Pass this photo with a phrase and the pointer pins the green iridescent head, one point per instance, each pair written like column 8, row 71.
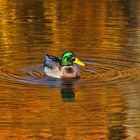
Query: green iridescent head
column 68, row 58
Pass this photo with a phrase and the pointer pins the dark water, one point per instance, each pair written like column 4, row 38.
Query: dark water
column 104, row 104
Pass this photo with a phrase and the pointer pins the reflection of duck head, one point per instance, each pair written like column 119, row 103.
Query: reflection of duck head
column 67, row 92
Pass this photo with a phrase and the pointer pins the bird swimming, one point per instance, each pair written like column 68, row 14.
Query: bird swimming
column 64, row 67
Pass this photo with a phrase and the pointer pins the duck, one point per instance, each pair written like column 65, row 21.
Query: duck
column 65, row 67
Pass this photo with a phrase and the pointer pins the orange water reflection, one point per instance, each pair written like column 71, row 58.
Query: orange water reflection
column 102, row 32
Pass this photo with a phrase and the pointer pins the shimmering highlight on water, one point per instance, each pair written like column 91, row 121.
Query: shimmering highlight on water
column 104, row 103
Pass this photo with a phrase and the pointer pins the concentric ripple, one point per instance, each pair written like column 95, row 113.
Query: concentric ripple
column 97, row 70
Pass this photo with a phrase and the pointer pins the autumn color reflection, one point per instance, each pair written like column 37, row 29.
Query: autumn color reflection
column 104, row 103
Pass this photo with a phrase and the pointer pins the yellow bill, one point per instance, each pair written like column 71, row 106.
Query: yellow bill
column 79, row 62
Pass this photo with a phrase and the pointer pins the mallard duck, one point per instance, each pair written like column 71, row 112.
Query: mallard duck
column 64, row 67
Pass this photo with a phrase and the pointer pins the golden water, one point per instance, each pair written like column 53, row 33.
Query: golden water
column 104, row 103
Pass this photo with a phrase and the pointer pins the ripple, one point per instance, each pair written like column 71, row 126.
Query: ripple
column 97, row 71
column 33, row 75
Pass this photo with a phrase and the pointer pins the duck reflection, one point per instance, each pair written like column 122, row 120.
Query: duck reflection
column 67, row 91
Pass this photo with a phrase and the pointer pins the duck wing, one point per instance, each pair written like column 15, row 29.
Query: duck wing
column 51, row 61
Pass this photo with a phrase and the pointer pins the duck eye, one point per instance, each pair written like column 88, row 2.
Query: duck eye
column 73, row 59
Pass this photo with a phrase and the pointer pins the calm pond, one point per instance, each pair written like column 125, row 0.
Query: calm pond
column 104, row 104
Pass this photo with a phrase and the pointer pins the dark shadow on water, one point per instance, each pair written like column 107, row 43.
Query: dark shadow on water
column 117, row 129
column 117, row 132
column 66, row 87
column 67, row 94
column 67, row 91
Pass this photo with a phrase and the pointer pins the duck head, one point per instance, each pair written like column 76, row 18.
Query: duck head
column 69, row 58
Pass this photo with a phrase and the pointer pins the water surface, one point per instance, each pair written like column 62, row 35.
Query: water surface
column 104, row 103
